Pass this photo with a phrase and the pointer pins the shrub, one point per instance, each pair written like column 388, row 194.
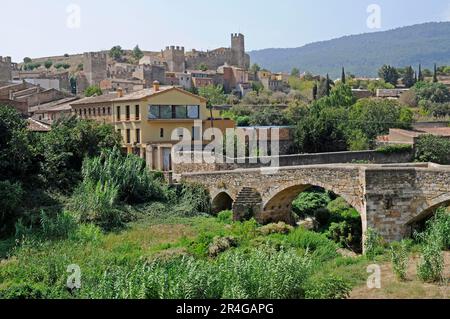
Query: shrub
column 392, row 149
column 328, row 287
column 97, row 203
column 434, row 239
column 129, row 174
column 372, row 244
column 87, row 233
column 220, row 245
column 193, row 199
column 10, row 201
column 225, row 217
column 400, row 259
column 23, row 291
column 434, row 149
column 280, row 228
column 58, row 227
column 308, row 202
column 318, row 244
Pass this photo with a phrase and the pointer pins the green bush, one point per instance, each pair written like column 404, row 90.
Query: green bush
column 392, row 149
column 58, row 227
column 400, row 260
column 433, row 240
column 328, row 287
column 192, row 200
column 308, row 202
column 373, row 244
column 97, row 203
column 434, row 149
column 225, row 217
column 23, row 291
column 129, row 174
column 11, row 195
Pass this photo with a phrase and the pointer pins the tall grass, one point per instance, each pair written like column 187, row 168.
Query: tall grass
column 135, row 183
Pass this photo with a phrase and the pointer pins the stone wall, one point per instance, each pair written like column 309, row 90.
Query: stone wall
column 389, row 198
column 296, row 160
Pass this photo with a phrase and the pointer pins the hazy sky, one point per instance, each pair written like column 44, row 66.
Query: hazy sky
column 44, row 27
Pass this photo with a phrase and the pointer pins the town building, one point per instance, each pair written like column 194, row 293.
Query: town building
column 402, row 136
column 147, row 119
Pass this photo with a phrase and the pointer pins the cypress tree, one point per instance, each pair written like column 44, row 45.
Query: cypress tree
column 435, row 79
column 328, row 85
column 343, row 80
column 420, row 74
column 315, row 89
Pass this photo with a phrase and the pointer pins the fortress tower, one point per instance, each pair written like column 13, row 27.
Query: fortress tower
column 239, row 57
column 95, row 67
column 175, row 58
column 5, row 69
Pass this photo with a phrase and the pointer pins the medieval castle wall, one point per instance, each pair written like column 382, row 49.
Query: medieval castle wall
column 95, row 67
column 6, row 68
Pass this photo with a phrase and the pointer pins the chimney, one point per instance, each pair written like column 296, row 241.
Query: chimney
column 155, row 86
column 119, row 92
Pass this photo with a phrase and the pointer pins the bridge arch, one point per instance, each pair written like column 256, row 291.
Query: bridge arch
column 425, row 210
column 222, row 201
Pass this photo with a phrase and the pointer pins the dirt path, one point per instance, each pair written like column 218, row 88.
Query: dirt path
column 391, row 288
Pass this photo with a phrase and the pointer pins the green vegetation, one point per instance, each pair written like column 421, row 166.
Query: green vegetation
column 93, row 90
column 396, row 148
column 137, row 53
column 434, row 149
column 116, row 53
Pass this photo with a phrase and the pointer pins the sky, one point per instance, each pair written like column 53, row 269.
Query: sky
column 54, row 27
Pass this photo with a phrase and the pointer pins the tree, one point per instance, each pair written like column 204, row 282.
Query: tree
column 93, row 90
column 137, row 53
column 295, row 72
column 408, row 77
column 315, row 91
column 203, row 67
column 66, row 146
column 343, row 76
column 268, row 116
column 434, row 149
column 420, row 76
column 48, row 64
column 215, row 96
column 116, row 53
column 432, row 92
column 27, row 60
column 255, row 68
column 435, row 79
column 328, row 87
column 389, row 74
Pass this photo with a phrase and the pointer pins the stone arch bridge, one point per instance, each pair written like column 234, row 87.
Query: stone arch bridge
column 389, row 198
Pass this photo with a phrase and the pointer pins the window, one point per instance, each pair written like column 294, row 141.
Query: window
column 165, row 112
column 128, row 136
column 137, row 112
column 193, row 111
column 138, row 136
column 180, row 111
column 93, row 110
column 174, row 112
column 85, row 112
column 104, row 111
column 161, row 133
column 127, row 113
column 81, row 112
column 153, row 112
column 109, row 110
column 90, row 112
column 118, row 113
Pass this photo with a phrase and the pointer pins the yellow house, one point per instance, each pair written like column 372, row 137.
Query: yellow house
column 147, row 119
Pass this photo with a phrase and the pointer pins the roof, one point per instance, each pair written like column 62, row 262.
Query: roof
column 52, row 104
column 37, row 126
column 96, row 99
column 142, row 94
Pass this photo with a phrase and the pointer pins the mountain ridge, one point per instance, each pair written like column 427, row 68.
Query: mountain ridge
column 425, row 44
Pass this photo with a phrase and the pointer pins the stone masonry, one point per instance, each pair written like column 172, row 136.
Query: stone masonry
column 389, row 198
